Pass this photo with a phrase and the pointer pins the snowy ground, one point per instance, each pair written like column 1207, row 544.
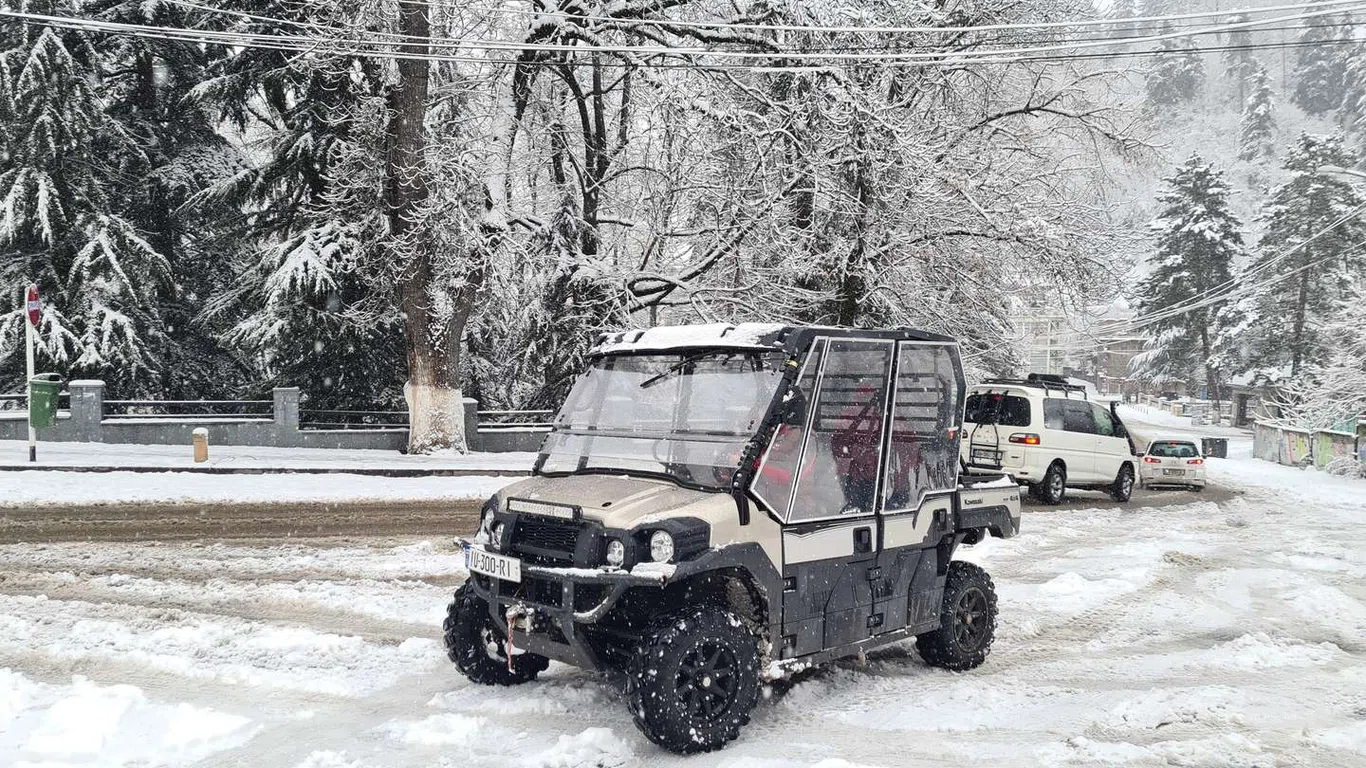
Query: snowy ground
column 1194, row 634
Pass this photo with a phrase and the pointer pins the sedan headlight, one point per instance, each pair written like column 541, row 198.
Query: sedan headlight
column 616, row 553
column 661, row 547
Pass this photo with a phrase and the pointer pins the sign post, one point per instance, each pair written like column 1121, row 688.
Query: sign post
column 34, row 308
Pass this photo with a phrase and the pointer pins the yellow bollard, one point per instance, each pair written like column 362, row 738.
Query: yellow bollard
column 201, row 445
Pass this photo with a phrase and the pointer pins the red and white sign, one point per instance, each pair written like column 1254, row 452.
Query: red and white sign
column 34, row 305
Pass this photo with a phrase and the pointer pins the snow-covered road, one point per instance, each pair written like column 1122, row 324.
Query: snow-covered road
column 1203, row 634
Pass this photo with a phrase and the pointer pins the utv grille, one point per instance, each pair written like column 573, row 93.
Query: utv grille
column 554, row 539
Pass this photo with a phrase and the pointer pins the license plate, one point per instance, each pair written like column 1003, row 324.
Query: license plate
column 982, row 454
column 490, row 564
column 1174, row 472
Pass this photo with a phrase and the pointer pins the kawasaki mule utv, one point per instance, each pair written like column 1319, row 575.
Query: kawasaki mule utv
column 718, row 506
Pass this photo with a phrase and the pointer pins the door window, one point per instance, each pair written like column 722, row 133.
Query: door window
column 779, row 469
column 843, row 447
column 1105, row 424
column 1077, row 417
column 925, row 419
column 1053, row 413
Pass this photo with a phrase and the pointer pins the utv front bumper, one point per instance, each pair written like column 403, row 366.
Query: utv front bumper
column 552, row 610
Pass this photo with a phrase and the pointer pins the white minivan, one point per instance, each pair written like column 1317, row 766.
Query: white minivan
column 1047, row 434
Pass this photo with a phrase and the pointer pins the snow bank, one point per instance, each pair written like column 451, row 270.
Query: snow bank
column 112, row 725
column 598, row 747
column 52, row 488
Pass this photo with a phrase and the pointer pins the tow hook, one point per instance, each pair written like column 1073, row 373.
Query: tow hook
column 519, row 617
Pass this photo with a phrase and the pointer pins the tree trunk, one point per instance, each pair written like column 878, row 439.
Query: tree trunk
column 436, row 415
column 1297, row 334
column 1211, row 375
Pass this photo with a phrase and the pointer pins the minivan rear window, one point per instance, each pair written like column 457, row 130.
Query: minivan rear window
column 1002, row 409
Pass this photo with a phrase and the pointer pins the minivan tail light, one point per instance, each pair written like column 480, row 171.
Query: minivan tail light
column 1024, row 438
column 1195, row 461
column 1151, row 460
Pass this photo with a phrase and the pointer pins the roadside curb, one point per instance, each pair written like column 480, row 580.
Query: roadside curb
column 366, row 471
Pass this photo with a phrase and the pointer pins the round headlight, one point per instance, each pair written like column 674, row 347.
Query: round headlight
column 661, row 547
column 616, row 553
column 487, row 522
column 498, row 529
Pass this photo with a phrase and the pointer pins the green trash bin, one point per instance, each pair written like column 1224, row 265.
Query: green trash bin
column 43, row 391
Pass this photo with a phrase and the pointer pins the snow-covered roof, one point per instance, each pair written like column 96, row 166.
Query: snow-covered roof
column 666, row 337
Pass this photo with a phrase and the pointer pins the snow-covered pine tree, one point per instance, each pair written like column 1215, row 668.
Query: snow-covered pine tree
column 1240, row 65
column 1257, row 131
column 1335, row 393
column 1353, row 110
column 61, row 212
column 1310, row 254
column 145, row 87
column 1320, row 68
column 300, row 308
column 1177, row 73
column 1121, row 11
column 1198, row 242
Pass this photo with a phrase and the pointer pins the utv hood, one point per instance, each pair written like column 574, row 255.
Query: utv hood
column 616, row 501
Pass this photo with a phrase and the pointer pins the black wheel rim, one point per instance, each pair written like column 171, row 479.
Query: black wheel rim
column 971, row 619
column 707, row 681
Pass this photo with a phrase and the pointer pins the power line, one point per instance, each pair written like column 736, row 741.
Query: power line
column 1111, row 39
column 335, row 47
column 1002, row 55
column 920, row 29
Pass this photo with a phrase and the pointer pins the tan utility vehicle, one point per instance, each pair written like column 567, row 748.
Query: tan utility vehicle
column 718, row 506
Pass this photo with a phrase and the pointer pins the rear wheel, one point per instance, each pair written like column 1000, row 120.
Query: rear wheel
column 1123, row 487
column 693, row 680
column 1052, row 489
column 479, row 648
column 967, row 621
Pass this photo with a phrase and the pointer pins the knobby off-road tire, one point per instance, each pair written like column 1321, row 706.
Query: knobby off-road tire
column 967, row 621
column 1052, row 489
column 693, row 680
column 479, row 648
column 1123, row 486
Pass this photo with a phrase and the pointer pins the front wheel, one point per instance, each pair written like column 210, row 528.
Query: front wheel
column 693, row 680
column 1123, row 486
column 967, row 621
column 479, row 648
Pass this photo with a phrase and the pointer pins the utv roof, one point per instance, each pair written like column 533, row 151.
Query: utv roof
column 743, row 336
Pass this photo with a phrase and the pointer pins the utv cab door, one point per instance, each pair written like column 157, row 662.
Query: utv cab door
column 821, row 477
column 919, row 480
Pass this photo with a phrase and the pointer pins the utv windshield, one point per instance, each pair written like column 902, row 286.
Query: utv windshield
column 686, row 415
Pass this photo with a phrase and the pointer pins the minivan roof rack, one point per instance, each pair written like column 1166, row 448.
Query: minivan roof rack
column 1044, row 381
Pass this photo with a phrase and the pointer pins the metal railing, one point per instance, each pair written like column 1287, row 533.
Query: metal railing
column 262, row 410
column 505, row 420
column 19, row 402
column 324, row 419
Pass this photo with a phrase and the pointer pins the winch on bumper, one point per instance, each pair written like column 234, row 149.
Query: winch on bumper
column 559, row 601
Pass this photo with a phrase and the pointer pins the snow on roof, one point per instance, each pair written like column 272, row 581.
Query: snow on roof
column 742, row 336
